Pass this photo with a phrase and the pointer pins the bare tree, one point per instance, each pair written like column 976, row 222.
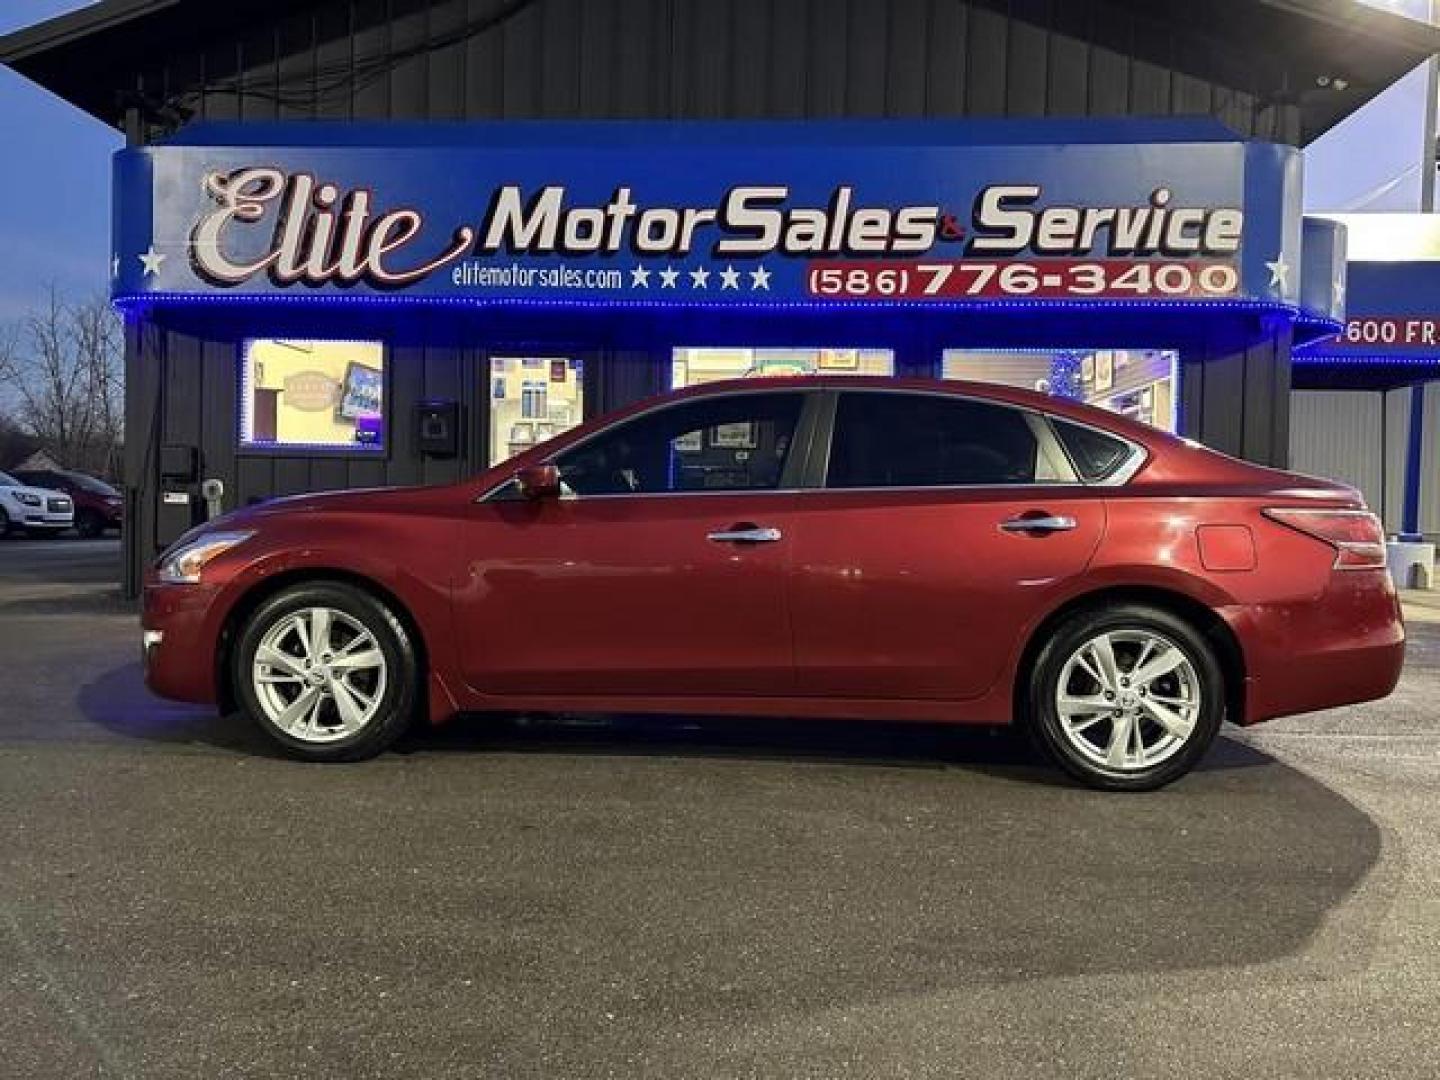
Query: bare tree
column 62, row 366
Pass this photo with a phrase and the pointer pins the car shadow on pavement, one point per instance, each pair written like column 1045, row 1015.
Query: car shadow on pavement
column 119, row 702
column 742, row 866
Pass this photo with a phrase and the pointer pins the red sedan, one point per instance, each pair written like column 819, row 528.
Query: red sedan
column 802, row 547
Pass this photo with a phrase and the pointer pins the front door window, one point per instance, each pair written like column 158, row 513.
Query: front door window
column 738, row 442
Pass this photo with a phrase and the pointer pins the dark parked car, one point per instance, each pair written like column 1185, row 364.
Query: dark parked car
column 802, row 547
column 98, row 506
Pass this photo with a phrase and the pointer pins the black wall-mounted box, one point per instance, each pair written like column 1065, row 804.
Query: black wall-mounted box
column 437, row 428
column 179, row 463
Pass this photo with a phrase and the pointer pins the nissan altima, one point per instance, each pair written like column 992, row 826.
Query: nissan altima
column 820, row 547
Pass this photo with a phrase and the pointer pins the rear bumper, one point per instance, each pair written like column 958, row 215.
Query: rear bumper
column 178, row 643
column 1344, row 646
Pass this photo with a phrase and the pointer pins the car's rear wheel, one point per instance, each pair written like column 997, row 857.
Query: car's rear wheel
column 1126, row 698
column 328, row 671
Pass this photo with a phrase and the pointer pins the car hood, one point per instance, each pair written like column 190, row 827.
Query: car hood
column 355, row 500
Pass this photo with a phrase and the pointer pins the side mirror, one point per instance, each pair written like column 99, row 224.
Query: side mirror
column 538, row 482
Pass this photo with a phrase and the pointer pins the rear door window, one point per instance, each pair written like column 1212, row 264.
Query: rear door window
column 892, row 439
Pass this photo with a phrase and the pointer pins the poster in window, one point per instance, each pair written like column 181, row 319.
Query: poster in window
column 1104, row 370
column 362, row 392
column 558, row 370
column 839, row 360
column 733, row 436
column 689, row 443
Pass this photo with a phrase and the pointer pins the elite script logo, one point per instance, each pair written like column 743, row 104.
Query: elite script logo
column 320, row 234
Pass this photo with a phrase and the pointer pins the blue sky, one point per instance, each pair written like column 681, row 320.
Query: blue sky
column 54, row 187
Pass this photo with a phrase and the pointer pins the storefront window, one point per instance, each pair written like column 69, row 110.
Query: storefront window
column 532, row 399
column 1143, row 384
column 313, row 394
column 693, row 367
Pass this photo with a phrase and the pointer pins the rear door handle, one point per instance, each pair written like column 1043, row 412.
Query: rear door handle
column 1041, row 523
column 745, row 534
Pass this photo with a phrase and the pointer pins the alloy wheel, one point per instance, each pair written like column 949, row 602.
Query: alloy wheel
column 1128, row 700
column 319, row 674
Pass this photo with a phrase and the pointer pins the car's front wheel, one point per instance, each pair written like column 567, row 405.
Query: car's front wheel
column 89, row 524
column 328, row 671
column 1126, row 698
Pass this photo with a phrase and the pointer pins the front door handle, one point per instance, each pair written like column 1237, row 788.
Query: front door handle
column 745, row 533
column 1041, row 523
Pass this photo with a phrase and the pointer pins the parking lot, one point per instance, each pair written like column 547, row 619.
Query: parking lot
column 685, row 899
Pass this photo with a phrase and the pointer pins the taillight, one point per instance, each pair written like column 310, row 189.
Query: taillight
column 1356, row 535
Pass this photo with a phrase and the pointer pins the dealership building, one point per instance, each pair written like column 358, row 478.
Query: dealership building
column 366, row 242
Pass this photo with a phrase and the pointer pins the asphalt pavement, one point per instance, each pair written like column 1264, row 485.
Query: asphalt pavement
column 578, row 897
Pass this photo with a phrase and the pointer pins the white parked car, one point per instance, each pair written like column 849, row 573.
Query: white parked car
column 39, row 511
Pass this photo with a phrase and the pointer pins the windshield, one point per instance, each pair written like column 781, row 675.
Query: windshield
column 91, row 483
column 6, row 480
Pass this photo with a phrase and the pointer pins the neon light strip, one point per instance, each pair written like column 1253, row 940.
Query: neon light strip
column 1331, row 359
column 159, row 299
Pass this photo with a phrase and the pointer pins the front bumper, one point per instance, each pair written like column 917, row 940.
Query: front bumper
column 43, row 519
column 179, row 641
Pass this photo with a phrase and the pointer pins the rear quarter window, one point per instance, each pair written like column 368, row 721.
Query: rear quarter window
column 1096, row 455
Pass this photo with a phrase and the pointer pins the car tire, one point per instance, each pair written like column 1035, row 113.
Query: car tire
column 5, row 524
column 1087, row 711
column 89, row 524
column 358, row 702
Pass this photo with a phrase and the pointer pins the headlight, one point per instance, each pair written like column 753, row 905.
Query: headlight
column 29, row 498
column 181, row 565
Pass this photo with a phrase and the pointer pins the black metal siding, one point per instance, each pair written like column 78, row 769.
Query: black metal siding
column 714, row 58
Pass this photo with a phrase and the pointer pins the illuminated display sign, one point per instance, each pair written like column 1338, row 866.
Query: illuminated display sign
column 709, row 214
column 1393, row 315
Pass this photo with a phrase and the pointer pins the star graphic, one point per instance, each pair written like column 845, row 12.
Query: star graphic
column 1279, row 274
column 640, row 278
column 760, row 278
column 729, row 278
column 667, row 277
column 1339, row 286
column 699, row 278
column 115, row 267
column 151, row 261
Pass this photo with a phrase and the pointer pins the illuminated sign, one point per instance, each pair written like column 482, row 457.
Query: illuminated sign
column 764, row 219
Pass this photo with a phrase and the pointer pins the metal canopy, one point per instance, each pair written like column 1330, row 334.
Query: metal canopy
column 1325, row 58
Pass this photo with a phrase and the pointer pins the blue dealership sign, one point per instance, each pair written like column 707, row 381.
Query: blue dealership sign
column 717, row 214
column 1393, row 315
